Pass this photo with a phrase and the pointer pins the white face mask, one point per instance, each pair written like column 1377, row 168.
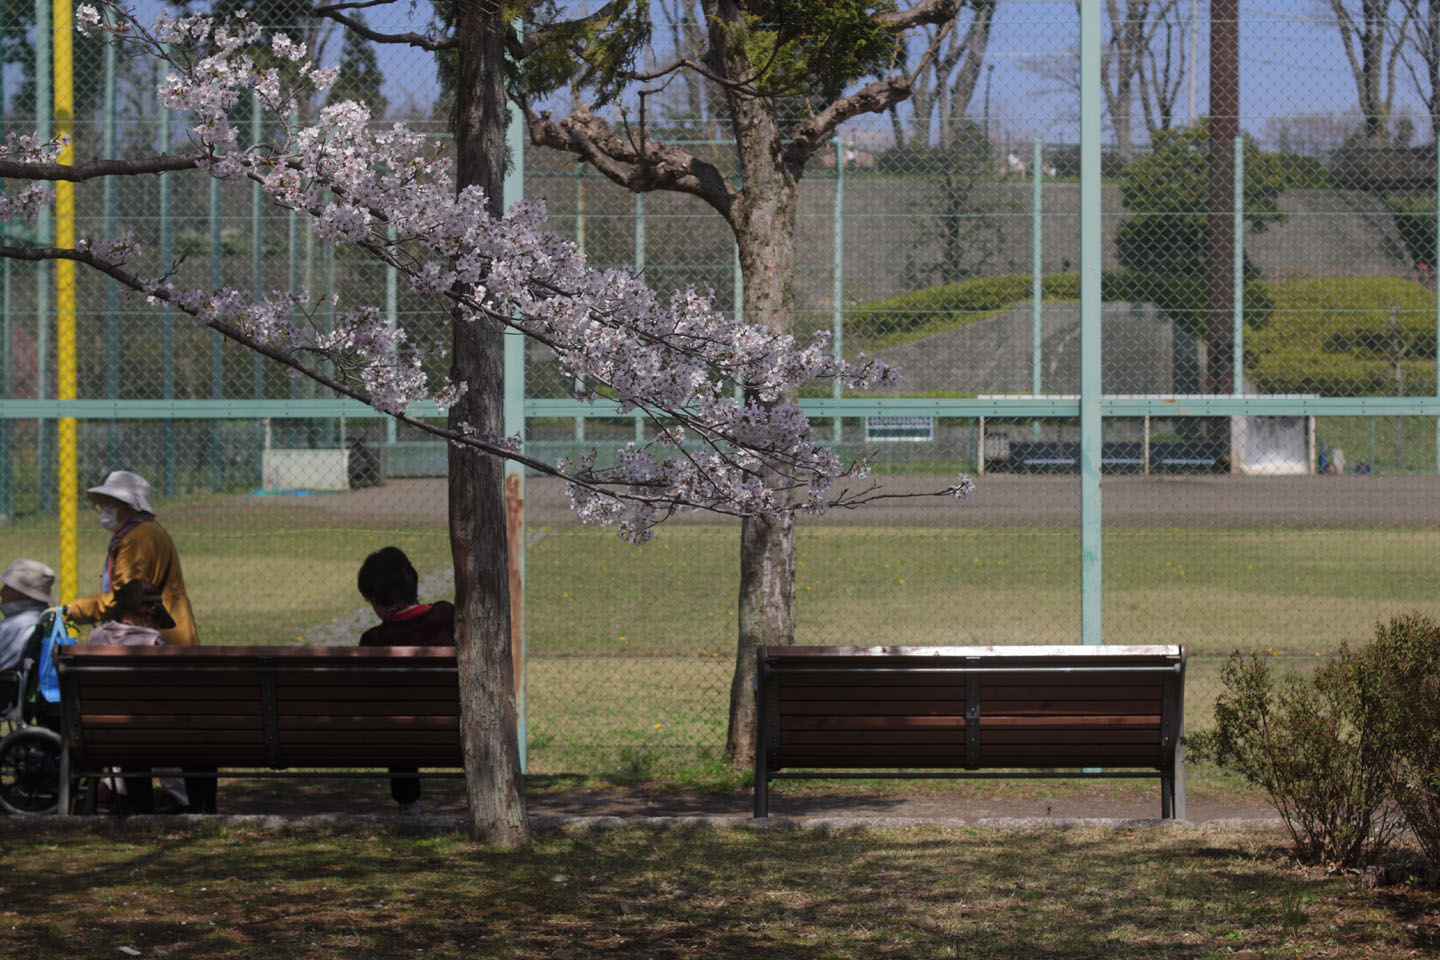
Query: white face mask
column 110, row 518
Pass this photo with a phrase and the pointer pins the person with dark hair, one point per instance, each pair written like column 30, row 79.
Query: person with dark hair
column 389, row 583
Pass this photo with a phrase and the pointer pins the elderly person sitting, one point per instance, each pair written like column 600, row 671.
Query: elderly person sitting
column 140, row 549
column 24, row 596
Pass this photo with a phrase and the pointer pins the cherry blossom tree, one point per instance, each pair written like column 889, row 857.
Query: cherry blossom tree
column 790, row 72
column 399, row 199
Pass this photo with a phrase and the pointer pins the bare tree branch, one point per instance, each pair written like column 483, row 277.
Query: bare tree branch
column 332, row 12
column 94, row 169
column 919, row 14
column 649, row 165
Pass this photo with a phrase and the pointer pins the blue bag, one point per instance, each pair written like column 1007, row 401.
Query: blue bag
column 49, row 678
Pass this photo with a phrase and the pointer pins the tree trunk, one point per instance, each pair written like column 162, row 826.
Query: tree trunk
column 494, row 787
column 764, row 223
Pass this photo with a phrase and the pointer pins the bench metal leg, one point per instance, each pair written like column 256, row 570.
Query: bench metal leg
column 63, row 807
column 1167, row 796
column 762, row 779
column 1177, row 778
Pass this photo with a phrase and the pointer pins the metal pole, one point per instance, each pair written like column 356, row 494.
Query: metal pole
column 1224, row 129
column 167, row 315
column 1237, row 295
column 112, row 286
column 513, row 414
column 837, row 285
column 44, row 115
column 217, row 345
column 257, row 285
column 1091, row 600
column 1036, row 278
column 639, row 271
column 580, row 244
column 68, row 462
column 392, row 318
column 7, row 498
column 1435, row 273
column 257, row 242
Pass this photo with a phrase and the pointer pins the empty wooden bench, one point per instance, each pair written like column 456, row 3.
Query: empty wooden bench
column 953, row 712
column 260, row 709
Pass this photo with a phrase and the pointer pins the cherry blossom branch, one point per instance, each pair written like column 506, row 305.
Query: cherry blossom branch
column 672, row 361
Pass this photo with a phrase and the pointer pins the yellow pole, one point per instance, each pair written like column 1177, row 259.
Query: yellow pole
column 68, row 472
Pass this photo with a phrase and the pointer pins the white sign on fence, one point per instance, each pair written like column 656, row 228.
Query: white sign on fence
column 911, row 429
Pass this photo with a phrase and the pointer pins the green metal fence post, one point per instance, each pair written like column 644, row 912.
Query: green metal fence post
column 7, row 495
column 167, row 315
column 513, row 413
column 1036, row 277
column 217, row 351
column 257, row 283
column 1238, row 308
column 639, row 271
column 837, row 279
column 44, row 227
column 112, row 286
column 292, row 236
column 392, row 319
column 1435, row 273
column 1091, row 426
column 580, row 244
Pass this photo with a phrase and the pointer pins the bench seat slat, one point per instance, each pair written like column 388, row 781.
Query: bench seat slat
column 998, row 739
column 222, row 735
column 840, row 689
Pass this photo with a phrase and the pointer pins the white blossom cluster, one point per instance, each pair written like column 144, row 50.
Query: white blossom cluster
column 677, row 360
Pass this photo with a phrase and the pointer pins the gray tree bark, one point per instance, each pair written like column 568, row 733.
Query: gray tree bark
column 763, row 220
column 493, row 783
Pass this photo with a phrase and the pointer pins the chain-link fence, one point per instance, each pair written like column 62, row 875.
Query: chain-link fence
column 1268, row 346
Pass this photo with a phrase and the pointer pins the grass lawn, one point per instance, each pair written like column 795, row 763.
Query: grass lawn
column 907, row 891
column 631, row 649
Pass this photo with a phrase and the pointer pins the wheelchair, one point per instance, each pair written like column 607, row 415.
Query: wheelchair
column 30, row 750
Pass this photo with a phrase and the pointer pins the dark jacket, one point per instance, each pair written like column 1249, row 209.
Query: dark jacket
column 435, row 628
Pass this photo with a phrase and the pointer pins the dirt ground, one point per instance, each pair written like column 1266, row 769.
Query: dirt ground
column 969, row 801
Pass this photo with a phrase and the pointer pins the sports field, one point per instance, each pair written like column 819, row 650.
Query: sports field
column 630, row 649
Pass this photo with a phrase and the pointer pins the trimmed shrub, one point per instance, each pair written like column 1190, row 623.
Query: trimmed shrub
column 1315, row 746
column 1404, row 664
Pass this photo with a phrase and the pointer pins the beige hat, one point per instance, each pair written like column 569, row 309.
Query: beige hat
column 129, row 488
column 30, row 577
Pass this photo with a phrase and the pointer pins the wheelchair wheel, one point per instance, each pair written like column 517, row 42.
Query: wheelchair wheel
column 30, row 771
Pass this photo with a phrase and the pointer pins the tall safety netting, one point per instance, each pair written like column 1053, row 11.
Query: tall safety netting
column 1267, row 331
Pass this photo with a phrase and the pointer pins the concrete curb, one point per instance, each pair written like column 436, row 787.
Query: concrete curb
column 546, row 823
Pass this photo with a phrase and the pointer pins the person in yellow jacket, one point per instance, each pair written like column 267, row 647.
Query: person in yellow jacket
column 140, row 549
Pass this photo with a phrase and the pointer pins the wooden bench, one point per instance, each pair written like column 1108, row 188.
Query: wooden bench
column 264, row 708
column 954, row 711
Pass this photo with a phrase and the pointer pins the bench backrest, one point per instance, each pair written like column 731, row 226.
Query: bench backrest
column 970, row 707
column 261, row 706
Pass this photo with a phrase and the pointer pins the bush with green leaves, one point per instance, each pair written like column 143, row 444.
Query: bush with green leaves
column 1343, row 337
column 1315, row 745
column 1168, row 193
column 1404, row 665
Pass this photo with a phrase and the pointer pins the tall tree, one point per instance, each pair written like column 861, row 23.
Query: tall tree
column 1421, row 54
column 360, row 78
column 941, row 96
column 1372, row 36
column 785, row 67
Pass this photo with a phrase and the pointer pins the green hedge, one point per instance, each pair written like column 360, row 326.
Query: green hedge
column 1332, row 336
column 1327, row 335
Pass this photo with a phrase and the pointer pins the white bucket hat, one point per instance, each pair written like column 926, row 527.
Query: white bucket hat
column 30, row 577
column 129, row 488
